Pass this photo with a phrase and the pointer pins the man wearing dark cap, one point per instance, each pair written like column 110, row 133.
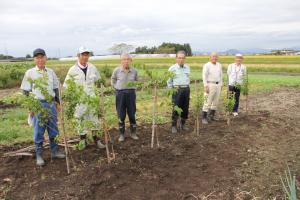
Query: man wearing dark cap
column 40, row 71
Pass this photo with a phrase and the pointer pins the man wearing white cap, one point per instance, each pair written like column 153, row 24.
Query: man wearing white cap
column 236, row 73
column 212, row 80
column 86, row 75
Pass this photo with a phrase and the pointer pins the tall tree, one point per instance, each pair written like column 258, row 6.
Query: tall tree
column 118, row 49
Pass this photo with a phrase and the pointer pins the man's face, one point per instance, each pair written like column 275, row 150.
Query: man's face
column 238, row 60
column 40, row 60
column 214, row 58
column 83, row 58
column 126, row 62
column 180, row 59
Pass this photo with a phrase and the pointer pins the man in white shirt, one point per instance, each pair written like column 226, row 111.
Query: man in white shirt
column 212, row 80
column 236, row 73
column 41, row 72
column 85, row 74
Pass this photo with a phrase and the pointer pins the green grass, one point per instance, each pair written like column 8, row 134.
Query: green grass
column 14, row 127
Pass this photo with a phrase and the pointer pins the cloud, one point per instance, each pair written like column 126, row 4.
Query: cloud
column 62, row 26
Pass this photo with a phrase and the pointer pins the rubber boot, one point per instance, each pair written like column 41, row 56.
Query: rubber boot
column 204, row 117
column 183, row 126
column 133, row 134
column 38, row 152
column 54, row 150
column 122, row 133
column 98, row 142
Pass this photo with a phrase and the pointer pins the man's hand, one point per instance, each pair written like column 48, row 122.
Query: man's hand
column 206, row 89
column 58, row 108
column 31, row 114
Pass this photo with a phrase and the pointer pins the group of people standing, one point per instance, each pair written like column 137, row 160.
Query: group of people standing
column 212, row 76
column 86, row 75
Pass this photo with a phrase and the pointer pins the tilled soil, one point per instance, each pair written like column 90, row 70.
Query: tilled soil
column 240, row 161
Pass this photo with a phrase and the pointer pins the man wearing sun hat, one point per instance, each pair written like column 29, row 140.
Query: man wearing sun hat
column 236, row 73
column 86, row 75
column 39, row 126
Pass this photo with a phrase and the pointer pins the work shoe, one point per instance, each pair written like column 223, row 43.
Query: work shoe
column 100, row 145
column 235, row 114
column 121, row 138
column 174, row 130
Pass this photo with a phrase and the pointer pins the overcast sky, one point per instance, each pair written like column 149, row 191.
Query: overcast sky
column 61, row 26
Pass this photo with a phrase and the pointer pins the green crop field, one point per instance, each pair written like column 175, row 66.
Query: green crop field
column 265, row 74
column 12, row 73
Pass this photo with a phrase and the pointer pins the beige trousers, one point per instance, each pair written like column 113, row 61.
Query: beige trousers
column 212, row 99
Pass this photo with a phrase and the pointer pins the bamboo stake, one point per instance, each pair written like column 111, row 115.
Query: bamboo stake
column 154, row 113
column 228, row 96
column 107, row 137
column 247, row 94
column 197, row 125
column 62, row 121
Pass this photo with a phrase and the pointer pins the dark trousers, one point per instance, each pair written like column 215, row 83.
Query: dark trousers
column 126, row 103
column 236, row 93
column 181, row 98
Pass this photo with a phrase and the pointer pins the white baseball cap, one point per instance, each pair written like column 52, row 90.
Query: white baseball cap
column 238, row 55
column 83, row 50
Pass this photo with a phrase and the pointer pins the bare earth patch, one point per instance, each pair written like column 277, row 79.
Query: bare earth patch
column 242, row 161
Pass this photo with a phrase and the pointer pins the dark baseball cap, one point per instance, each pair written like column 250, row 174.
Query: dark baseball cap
column 39, row 52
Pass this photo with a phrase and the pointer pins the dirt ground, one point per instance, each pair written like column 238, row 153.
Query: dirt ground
column 242, row 161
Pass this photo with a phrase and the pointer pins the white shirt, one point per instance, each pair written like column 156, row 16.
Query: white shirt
column 212, row 73
column 35, row 73
column 87, row 81
column 182, row 75
column 236, row 73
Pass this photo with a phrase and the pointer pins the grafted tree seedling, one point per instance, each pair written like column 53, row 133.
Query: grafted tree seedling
column 110, row 153
column 94, row 105
column 228, row 104
column 155, row 81
column 197, row 100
